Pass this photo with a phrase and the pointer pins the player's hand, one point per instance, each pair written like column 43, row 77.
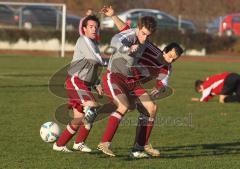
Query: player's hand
column 195, row 99
column 99, row 89
column 129, row 50
column 133, row 48
column 155, row 93
column 107, row 11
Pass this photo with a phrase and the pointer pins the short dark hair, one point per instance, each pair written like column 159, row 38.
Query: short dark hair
column 148, row 22
column 198, row 83
column 174, row 45
column 90, row 17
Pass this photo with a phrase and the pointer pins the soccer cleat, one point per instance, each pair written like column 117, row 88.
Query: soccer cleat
column 61, row 148
column 104, row 147
column 81, row 147
column 138, row 154
column 151, row 151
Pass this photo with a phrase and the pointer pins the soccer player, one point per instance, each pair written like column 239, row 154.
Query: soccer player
column 120, row 80
column 226, row 85
column 157, row 65
column 82, row 77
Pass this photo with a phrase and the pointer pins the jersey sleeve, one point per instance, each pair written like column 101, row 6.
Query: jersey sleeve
column 163, row 77
column 123, row 40
column 206, row 95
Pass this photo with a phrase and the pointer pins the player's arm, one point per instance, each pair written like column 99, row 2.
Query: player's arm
column 195, row 99
column 119, row 23
column 124, row 42
column 98, row 87
column 163, row 77
column 206, row 99
column 222, row 98
column 206, row 95
column 109, row 11
column 202, row 99
column 161, row 82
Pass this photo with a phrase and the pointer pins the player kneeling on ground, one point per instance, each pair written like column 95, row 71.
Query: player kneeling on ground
column 226, row 85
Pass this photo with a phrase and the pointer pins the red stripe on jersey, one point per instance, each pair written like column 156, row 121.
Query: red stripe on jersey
column 213, row 85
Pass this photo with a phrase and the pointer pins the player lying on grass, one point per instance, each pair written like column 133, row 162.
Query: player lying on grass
column 82, row 77
column 226, row 85
column 156, row 64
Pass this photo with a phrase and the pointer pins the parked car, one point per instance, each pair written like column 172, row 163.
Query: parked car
column 228, row 25
column 213, row 27
column 164, row 20
column 45, row 16
column 7, row 16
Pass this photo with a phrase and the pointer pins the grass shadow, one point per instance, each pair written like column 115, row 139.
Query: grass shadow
column 200, row 150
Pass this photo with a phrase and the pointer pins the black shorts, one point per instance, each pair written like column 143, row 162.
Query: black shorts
column 231, row 84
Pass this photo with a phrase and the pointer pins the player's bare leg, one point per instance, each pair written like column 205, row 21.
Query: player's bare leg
column 121, row 101
column 221, row 98
column 85, row 127
column 69, row 132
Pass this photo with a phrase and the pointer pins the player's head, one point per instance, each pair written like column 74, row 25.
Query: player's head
column 90, row 26
column 199, row 86
column 146, row 26
column 172, row 52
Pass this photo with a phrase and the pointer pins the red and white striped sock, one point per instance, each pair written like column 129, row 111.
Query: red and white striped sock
column 82, row 134
column 66, row 135
column 113, row 123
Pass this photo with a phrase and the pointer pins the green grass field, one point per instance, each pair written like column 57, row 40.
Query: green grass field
column 188, row 134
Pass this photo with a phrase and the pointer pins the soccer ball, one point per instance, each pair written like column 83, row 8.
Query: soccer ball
column 50, row 132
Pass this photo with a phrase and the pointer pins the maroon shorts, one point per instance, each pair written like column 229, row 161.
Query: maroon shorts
column 78, row 92
column 115, row 84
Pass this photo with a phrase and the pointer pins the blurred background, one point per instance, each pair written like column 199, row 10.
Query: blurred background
column 203, row 27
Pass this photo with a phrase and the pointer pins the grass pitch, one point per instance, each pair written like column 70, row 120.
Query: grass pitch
column 188, row 134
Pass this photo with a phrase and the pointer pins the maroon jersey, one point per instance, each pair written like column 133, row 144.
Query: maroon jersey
column 153, row 66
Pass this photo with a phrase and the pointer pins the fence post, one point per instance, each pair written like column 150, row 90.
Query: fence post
column 20, row 22
column 179, row 22
column 220, row 28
